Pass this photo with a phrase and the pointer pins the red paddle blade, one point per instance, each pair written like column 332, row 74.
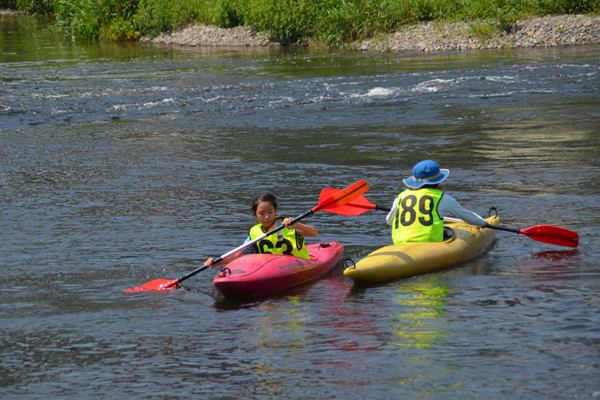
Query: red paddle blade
column 342, row 197
column 553, row 235
column 356, row 207
column 157, row 284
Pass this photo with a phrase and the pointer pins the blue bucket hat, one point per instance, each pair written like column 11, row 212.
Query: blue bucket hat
column 426, row 172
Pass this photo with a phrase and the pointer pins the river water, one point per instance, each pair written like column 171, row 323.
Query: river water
column 125, row 163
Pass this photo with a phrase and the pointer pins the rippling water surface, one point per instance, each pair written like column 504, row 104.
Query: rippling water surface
column 124, row 163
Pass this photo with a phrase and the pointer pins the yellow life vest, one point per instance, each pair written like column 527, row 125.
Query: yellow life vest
column 286, row 241
column 418, row 219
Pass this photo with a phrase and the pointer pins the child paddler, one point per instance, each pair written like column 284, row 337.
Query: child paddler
column 418, row 213
column 289, row 240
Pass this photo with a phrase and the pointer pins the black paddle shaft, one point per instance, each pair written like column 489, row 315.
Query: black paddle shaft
column 504, row 228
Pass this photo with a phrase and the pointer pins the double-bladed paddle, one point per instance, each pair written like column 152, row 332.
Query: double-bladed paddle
column 337, row 199
column 542, row 233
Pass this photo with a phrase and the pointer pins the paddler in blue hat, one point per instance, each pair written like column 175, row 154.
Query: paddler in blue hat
column 418, row 212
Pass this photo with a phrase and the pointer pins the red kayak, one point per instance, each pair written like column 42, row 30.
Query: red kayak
column 255, row 274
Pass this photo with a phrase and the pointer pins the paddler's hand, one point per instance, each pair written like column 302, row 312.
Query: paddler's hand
column 286, row 222
column 209, row 263
column 305, row 230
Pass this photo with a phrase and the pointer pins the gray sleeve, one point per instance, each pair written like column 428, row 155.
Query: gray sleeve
column 449, row 207
column 390, row 217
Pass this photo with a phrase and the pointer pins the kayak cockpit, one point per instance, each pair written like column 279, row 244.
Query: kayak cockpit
column 449, row 234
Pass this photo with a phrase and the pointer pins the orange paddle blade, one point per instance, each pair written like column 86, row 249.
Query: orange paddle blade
column 552, row 235
column 157, row 284
column 342, row 197
column 357, row 206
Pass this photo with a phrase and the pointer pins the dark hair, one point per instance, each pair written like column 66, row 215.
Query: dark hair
column 268, row 197
column 436, row 186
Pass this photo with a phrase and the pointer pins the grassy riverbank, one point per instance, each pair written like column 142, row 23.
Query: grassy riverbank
column 333, row 22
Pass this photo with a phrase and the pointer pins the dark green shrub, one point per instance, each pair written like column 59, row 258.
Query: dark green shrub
column 229, row 13
column 35, row 7
column 8, row 4
column 288, row 21
column 79, row 18
column 156, row 16
column 566, row 6
column 108, row 19
column 351, row 20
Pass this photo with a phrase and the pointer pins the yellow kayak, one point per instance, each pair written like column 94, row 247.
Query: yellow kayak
column 399, row 261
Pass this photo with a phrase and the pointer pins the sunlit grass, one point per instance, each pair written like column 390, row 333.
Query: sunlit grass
column 290, row 21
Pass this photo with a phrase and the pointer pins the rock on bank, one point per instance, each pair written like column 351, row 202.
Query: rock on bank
column 209, row 35
column 550, row 31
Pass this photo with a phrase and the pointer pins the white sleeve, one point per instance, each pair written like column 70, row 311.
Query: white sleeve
column 249, row 249
column 393, row 212
column 449, row 207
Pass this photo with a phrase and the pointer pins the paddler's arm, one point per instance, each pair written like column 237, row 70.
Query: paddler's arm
column 449, row 207
column 303, row 229
column 227, row 260
column 243, row 252
column 393, row 212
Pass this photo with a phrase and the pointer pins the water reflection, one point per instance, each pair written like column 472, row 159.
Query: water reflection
column 351, row 324
column 552, row 261
column 553, row 266
column 418, row 323
column 264, row 301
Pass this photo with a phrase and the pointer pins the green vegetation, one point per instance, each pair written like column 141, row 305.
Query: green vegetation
column 7, row 4
column 33, row 7
column 289, row 21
